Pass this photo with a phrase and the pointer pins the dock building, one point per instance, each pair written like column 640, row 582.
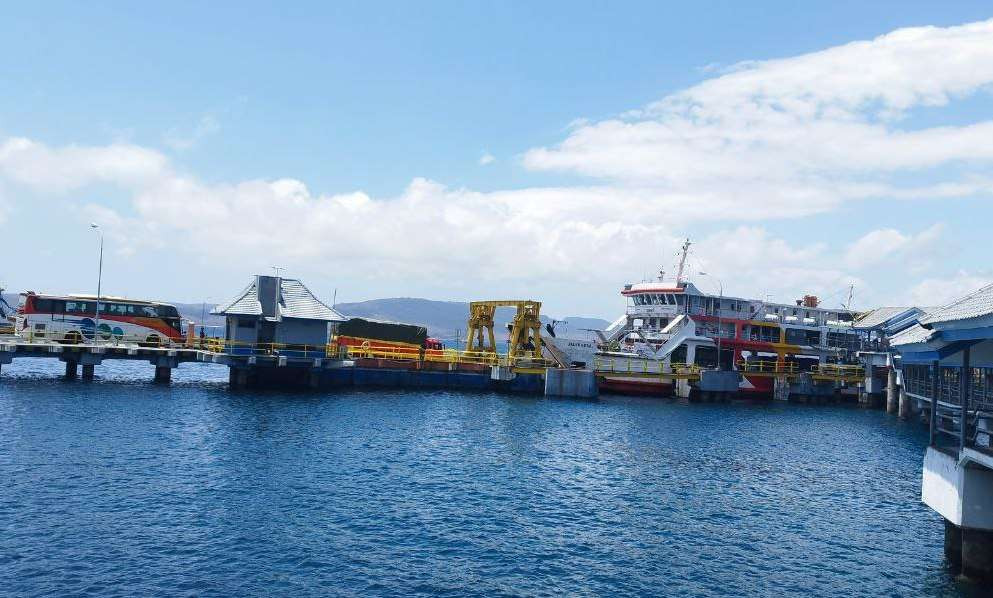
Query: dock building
column 275, row 329
column 946, row 365
column 875, row 329
column 278, row 311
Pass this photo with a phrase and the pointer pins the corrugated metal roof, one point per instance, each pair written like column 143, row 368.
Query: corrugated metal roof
column 973, row 305
column 913, row 335
column 295, row 301
column 878, row 317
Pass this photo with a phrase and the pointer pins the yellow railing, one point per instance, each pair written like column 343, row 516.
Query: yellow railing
column 611, row 365
column 332, row 349
column 837, row 370
column 767, row 367
column 445, row 356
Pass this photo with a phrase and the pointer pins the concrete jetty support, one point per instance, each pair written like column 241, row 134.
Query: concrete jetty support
column 892, row 393
column 906, row 407
column 72, row 369
column 88, row 371
column 959, row 490
column 570, row 383
column 163, row 374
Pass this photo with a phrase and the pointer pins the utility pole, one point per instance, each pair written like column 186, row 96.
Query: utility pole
column 96, row 325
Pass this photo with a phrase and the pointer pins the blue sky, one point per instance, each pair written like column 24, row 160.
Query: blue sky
column 119, row 110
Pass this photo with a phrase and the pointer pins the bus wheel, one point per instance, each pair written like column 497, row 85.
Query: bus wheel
column 153, row 340
column 73, row 338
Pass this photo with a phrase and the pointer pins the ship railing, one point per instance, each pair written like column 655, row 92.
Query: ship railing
column 642, row 366
column 838, row 370
column 767, row 367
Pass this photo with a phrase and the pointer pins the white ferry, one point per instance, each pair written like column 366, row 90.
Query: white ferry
column 670, row 326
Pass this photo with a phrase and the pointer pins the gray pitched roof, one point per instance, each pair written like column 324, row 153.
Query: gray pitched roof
column 911, row 336
column 878, row 317
column 295, row 301
column 973, row 305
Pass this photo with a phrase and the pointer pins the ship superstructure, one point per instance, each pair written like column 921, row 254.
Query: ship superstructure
column 677, row 325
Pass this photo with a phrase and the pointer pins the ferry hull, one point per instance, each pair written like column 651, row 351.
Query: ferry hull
column 635, row 386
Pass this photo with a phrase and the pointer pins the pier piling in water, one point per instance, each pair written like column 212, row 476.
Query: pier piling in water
column 892, row 393
column 906, row 405
column 71, row 369
column 953, row 544
column 88, row 371
column 163, row 374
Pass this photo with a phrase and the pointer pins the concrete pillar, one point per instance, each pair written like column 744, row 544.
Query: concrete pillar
column 163, row 374
column 892, row 393
column 570, row 383
column 906, row 405
column 88, row 372
column 238, row 377
column 977, row 553
column 953, row 544
column 71, row 369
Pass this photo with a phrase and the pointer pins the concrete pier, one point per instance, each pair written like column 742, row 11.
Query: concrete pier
column 906, row 408
column 977, row 554
column 163, row 374
column 88, row 371
column 953, row 544
column 570, row 383
column 959, row 491
column 892, row 393
column 72, row 369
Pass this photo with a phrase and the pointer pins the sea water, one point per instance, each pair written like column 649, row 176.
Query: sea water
column 120, row 487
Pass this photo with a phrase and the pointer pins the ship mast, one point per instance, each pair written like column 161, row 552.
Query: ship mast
column 682, row 262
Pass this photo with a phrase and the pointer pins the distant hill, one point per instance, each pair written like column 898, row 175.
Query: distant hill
column 443, row 319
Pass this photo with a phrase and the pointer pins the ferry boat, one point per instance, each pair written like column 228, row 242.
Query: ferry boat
column 673, row 326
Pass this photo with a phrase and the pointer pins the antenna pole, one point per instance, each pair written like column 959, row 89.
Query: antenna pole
column 682, row 261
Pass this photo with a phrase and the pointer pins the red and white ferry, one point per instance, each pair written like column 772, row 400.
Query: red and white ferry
column 670, row 326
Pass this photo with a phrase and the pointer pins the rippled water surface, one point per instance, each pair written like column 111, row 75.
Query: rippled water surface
column 119, row 487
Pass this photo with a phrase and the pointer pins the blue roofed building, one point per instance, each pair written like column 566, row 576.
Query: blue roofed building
column 946, row 365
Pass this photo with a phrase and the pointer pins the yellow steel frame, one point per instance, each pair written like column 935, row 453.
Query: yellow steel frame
column 526, row 324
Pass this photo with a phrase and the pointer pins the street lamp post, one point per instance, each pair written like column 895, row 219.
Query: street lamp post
column 96, row 325
column 720, row 305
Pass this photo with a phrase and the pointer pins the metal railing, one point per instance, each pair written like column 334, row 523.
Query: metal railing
column 649, row 367
column 952, row 423
column 767, row 367
column 451, row 356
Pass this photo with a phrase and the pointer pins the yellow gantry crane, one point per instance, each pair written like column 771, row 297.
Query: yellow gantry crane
column 525, row 332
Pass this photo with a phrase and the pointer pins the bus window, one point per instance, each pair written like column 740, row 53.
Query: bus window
column 79, row 307
column 149, row 311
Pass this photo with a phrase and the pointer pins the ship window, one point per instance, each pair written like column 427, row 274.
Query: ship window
column 680, row 299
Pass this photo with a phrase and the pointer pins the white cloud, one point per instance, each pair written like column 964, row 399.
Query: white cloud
column 486, row 158
column 71, row 167
column 884, row 244
column 766, row 140
column 828, row 122
column 181, row 140
column 936, row 292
